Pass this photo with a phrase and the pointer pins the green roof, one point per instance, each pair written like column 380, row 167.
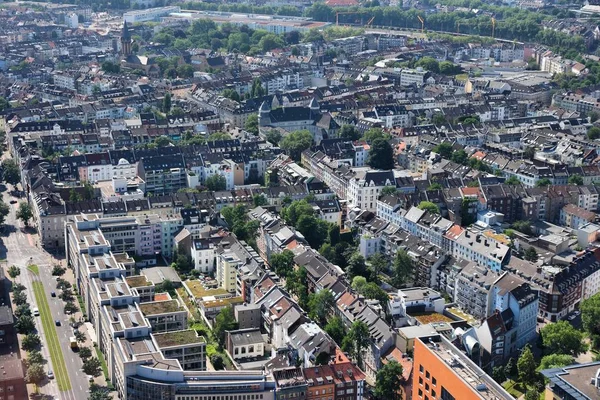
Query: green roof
column 178, row 338
column 137, row 281
column 198, row 290
column 160, row 307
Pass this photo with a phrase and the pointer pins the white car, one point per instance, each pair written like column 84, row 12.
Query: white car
column 571, row 317
column 36, row 312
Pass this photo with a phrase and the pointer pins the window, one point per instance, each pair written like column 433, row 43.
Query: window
column 421, row 381
column 421, row 369
column 433, row 381
column 420, row 393
column 427, row 375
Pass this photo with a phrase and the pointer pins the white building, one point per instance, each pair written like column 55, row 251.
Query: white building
column 416, row 300
column 203, row 255
column 365, row 187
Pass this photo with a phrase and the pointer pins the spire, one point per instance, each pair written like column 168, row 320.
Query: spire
column 125, row 34
column 264, row 107
column 314, row 104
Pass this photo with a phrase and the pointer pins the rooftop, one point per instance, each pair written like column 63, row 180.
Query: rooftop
column 178, row 338
column 160, row 307
column 137, row 281
column 575, row 380
column 198, row 290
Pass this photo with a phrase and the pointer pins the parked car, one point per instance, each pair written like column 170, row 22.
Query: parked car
column 57, row 322
column 53, row 294
column 50, row 375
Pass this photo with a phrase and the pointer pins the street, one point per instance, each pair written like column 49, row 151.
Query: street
column 18, row 246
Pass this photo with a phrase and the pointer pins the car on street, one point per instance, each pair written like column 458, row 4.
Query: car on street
column 36, row 312
column 57, row 322
column 50, row 375
column 53, row 294
column 13, row 202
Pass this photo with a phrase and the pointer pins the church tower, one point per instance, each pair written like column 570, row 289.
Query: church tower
column 125, row 40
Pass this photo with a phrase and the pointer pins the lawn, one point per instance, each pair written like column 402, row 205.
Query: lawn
column 104, row 367
column 34, row 268
column 56, row 355
column 514, row 388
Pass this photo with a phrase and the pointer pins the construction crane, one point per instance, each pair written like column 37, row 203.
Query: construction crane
column 337, row 15
column 370, row 22
column 422, row 23
column 493, row 26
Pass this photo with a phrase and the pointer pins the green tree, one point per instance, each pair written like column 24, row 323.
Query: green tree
column 529, row 152
column 593, row 116
column 295, row 143
column 403, row 269
column 11, row 172
column 252, row 124
column 231, row 94
column 273, row 137
column 24, row 213
column 389, row 191
column 575, row 179
column 185, row 71
column 459, row 157
column 523, row 227
column 336, row 329
column 35, row 373
column 563, row 338
column 543, row 182
column 449, row 68
column 31, row 341
column 313, row 229
column 85, row 353
column 556, row 361
column 498, row 374
column 428, row 63
column 359, row 335
column 216, row 183
column 381, row 155
column 320, row 305
column 14, row 271
column 224, row 321
column 283, row 263
column 98, row 392
column 375, row 133
column 297, row 209
column 356, row 266
column 444, row 150
column 79, row 336
column 22, row 310
column 435, row 186
column 19, row 298
column 590, row 315
column 110, row 67
column 57, row 270
column 4, row 210
column 349, row 132
column 389, row 379
column 531, row 254
column 593, row 133
column 532, row 394
column 513, row 181
column 70, row 307
column 429, row 206
column 526, row 366
column 218, row 136
column 377, row 264
column 217, row 361
column 438, row 119
column 92, row 366
column 35, row 357
column 166, row 105
column 259, row 200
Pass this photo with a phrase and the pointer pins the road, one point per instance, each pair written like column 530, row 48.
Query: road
column 19, row 248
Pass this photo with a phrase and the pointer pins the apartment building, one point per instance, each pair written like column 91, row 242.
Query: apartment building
column 365, row 187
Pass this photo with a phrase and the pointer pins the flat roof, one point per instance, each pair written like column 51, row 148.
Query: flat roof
column 178, row 338
column 198, row 290
column 160, row 307
column 138, row 281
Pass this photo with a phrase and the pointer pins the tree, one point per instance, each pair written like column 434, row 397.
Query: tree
column 70, row 308
column 85, row 353
column 295, row 143
column 163, row 141
column 297, row 209
column 523, row 227
column 435, row 186
column 185, row 71
column 252, row 124
column 110, row 67
column 389, row 191
column 429, row 64
column 35, row 357
column 529, row 152
column 217, row 361
column 532, row 394
column 593, row 116
column 11, row 173
column 333, row 234
column 531, row 254
column 313, row 229
column 30, row 341
column 356, row 266
column 438, row 119
column 98, row 392
column 562, row 338
column 283, row 263
column 4, row 210
column 259, row 200
column 429, row 206
column 22, row 310
column 449, row 68
column 359, row 334
column 24, row 213
column 216, row 183
column 319, row 305
column 510, row 369
column 377, row 263
column 273, row 137
column 513, row 181
column 213, row 137
column 593, row 133
column 66, row 295
column 526, row 366
column 336, row 329
column 403, row 269
column 590, row 315
column 231, row 94
column 79, row 336
column 35, row 373
column 224, row 321
column 543, row 182
column 556, row 361
column 14, row 271
column 498, row 374
column 166, row 104
column 575, row 179
column 444, row 150
column 375, row 133
column 19, row 298
column 349, row 132
column 389, row 379
column 92, row 366
column 57, row 270
column 381, row 155
column 25, row 324
column 459, row 157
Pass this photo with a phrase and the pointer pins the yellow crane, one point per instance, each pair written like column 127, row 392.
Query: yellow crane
column 493, row 26
column 370, row 22
column 422, row 23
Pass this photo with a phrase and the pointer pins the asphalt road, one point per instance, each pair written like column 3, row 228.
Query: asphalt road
column 19, row 248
